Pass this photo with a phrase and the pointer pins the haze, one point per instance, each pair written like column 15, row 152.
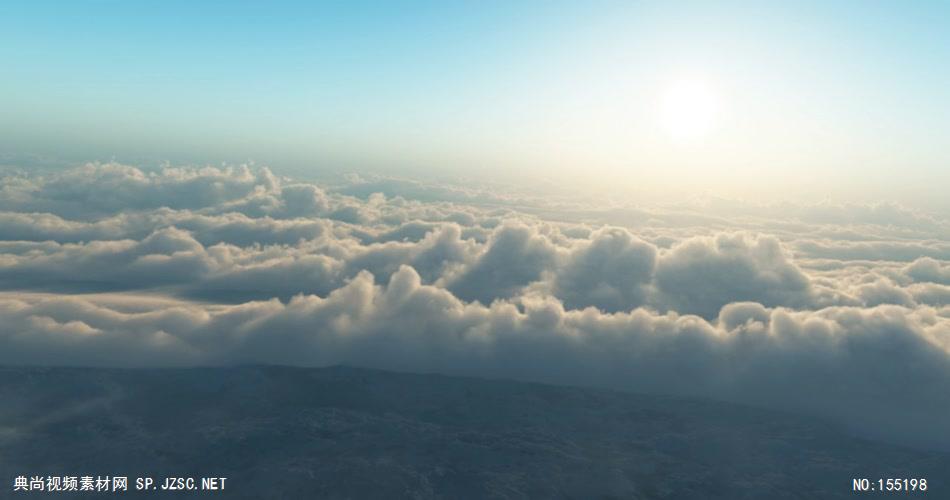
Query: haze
column 817, row 100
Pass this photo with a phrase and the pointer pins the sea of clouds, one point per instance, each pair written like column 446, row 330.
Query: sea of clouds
column 841, row 311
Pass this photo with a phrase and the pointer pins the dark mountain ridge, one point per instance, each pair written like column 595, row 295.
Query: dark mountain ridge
column 341, row 432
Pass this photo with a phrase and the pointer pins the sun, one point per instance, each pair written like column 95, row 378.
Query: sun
column 688, row 109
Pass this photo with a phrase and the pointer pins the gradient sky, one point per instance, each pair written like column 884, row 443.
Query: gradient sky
column 852, row 94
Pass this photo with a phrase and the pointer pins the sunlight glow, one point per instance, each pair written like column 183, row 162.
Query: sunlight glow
column 687, row 110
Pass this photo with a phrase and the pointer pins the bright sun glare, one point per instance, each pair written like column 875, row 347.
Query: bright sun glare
column 688, row 110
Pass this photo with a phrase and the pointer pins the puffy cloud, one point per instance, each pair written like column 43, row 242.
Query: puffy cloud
column 300, row 200
column 102, row 189
column 612, row 270
column 829, row 312
column 930, row 294
column 836, row 362
column 515, row 256
column 235, row 228
column 164, row 257
column 50, row 227
column 168, row 257
column 884, row 292
column 243, row 276
column 325, row 238
column 700, row 275
column 874, row 250
column 928, row 269
column 438, row 253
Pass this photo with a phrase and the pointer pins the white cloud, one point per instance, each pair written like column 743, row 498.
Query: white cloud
column 611, row 270
column 700, row 275
column 928, row 269
column 836, row 362
column 829, row 311
column 514, row 257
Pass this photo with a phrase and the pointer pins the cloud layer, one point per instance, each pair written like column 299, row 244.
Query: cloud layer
column 830, row 310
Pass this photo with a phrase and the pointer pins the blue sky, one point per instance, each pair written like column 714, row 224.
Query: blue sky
column 563, row 88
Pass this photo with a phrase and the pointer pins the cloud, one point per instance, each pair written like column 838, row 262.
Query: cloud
column 828, row 312
column 836, row 362
column 164, row 257
column 874, row 250
column 234, row 228
column 884, row 292
column 928, row 269
column 97, row 189
column 700, row 275
column 515, row 256
column 611, row 270
column 930, row 294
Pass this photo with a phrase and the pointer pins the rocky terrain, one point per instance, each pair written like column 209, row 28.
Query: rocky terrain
column 279, row 432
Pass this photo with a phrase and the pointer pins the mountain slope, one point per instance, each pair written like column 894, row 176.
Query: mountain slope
column 279, row 432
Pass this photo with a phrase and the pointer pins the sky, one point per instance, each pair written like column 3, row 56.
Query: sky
column 829, row 99
column 737, row 202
